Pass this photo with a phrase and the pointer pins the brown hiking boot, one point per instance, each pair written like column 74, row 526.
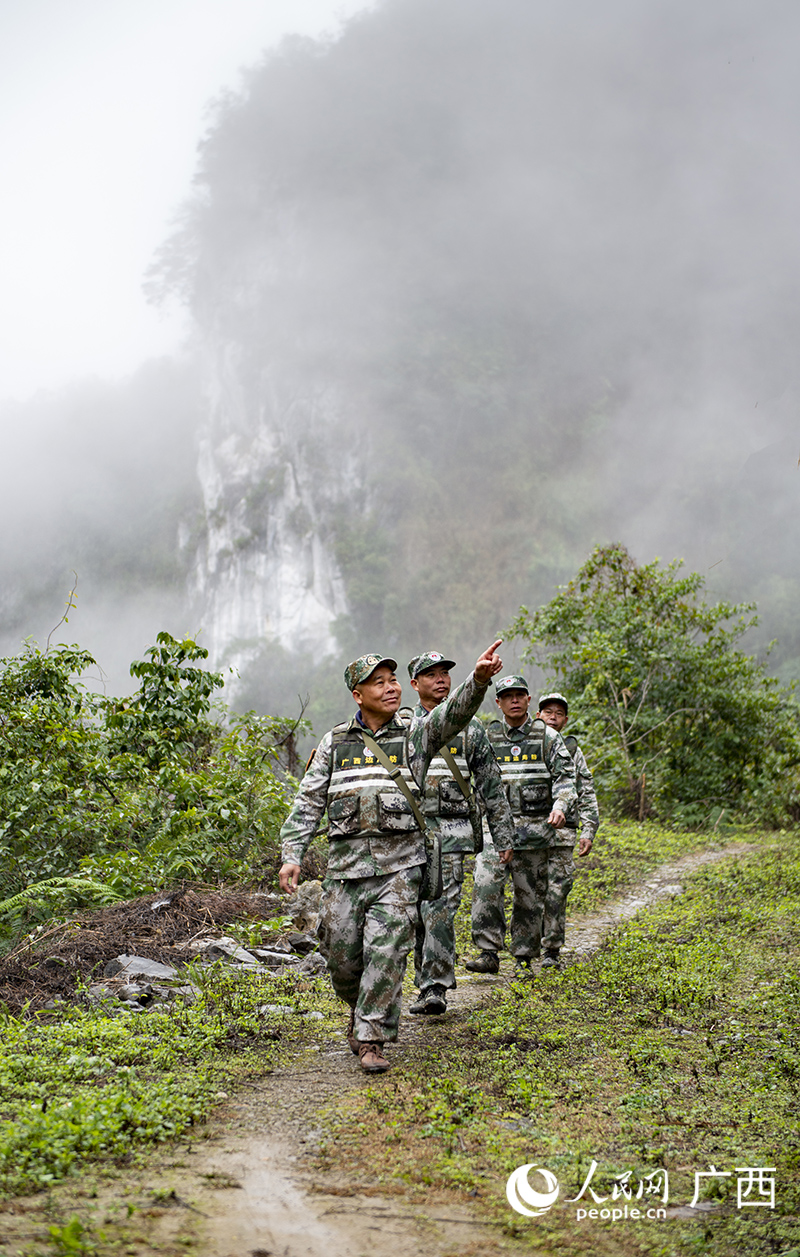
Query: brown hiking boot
column 371, row 1058
column 487, row 962
column 351, row 1033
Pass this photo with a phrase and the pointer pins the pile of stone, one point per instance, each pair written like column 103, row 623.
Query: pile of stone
column 140, row 984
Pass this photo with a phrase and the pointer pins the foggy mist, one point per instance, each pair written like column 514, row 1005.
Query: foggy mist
column 474, row 288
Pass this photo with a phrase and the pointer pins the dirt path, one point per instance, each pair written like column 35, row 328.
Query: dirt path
column 252, row 1190
column 270, row 1137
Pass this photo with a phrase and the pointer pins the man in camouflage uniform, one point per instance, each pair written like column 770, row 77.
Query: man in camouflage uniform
column 448, row 810
column 377, row 850
column 539, row 775
column 554, row 711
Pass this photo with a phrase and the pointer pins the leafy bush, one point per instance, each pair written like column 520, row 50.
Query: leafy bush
column 676, row 720
column 120, row 797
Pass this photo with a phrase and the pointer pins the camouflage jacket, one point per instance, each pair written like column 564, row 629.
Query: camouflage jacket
column 337, row 775
column 445, row 807
column 534, row 831
column 586, row 813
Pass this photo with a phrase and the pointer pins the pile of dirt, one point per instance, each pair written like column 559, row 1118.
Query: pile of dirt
column 51, row 964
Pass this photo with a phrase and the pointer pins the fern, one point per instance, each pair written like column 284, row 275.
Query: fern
column 59, row 889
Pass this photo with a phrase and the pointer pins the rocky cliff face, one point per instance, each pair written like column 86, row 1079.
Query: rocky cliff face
column 263, row 567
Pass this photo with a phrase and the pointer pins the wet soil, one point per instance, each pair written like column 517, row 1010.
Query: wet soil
column 252, row 1187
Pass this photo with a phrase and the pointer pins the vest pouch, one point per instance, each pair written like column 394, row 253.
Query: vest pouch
column 343, row 816
column 394, row 813
column 451, row 799
column 535, row 799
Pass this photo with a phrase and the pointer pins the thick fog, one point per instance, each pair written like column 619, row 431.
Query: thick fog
column 532, row 271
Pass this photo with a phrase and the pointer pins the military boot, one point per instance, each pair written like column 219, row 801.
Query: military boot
column 371, row 1058
column 431, row 1003
column 551, row 960
column 487, row 962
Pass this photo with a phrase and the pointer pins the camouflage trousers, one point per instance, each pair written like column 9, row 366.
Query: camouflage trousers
column 528, row 873
column 560, row 878
column 435, row 944
column 367, row 930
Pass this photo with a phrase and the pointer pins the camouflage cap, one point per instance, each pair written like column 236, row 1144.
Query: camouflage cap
column 363, row 667
column 430, row 659
column 513, row 682
column 554, row 698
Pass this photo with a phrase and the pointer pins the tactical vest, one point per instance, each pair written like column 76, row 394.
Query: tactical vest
column 443, row 795
column 525, row 774
column 362, row 798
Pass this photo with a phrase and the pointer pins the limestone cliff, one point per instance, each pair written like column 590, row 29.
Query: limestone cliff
column 263, row 567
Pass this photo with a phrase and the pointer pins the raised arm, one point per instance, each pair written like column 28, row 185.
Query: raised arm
column 432, row 731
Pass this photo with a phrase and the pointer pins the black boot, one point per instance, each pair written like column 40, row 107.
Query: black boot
column 431, row 1003
column 487, row 962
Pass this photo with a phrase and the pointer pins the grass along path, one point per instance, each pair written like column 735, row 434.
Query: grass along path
column 674, row 1047
column 421, row 1155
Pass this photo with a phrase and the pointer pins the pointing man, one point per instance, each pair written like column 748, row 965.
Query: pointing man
column 539, row 777
column 376, row 847
column 450, row 808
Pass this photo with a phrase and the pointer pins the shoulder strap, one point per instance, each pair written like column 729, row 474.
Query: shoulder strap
column 463, row 785
column 396, row 774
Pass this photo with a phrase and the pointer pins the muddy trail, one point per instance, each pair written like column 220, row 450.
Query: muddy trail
column 252, row 1187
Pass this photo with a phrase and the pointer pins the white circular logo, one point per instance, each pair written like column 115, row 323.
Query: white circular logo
column 434, row 654
column 516, row 750
column 518, row 1189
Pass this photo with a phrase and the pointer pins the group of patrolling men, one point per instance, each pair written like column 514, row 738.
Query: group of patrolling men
column 399, row 788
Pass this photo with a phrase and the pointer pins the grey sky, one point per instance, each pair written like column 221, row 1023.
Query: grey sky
column 101, row 108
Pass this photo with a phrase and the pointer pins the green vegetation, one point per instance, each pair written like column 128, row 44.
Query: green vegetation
column 675, row 1047
column 91, row 1083
column 623, row 854
column 677, row 722
column 103, row 798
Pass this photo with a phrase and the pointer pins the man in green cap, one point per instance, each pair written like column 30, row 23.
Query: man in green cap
column 365, row 774
column 539, row 777
column 450, row 807
column 554, row 711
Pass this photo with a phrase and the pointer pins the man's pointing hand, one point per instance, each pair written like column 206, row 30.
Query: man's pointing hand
column 489, row 664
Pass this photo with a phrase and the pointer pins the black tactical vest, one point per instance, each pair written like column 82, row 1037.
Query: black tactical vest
column 525, row 774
